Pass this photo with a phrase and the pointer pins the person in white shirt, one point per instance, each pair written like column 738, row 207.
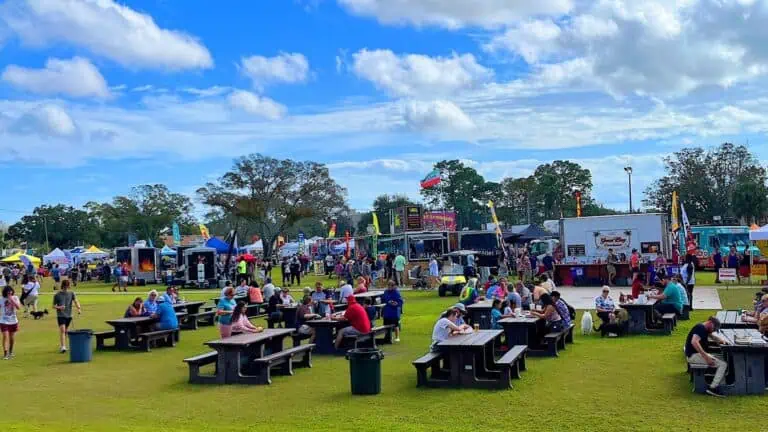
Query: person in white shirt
column 31, row 290
column 346, row 291
column 547, row 283
column 444, row 327
column 227, row 286
column 286, row 298
column 269, row 289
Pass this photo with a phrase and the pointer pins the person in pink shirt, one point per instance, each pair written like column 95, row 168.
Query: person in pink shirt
column 634, row 264
column 361, row 288
column 240, row 322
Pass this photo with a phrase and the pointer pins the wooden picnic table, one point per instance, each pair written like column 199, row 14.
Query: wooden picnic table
column 746, row 353
column 191, row 307
column 373, row 295
column 325, row 334
column 640, row 315
column 289, row 314
column 480, row 313
column 236, row 354
column 471, row 359
column 731, row 319
column 236, row 299
column 522, row 330
column 127, row 330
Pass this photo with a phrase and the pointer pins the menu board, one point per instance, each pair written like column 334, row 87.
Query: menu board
column 413, row 221
column 577, row 250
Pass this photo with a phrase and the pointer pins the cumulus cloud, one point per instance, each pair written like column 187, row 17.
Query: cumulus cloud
column 106, row 29
column 289, row 68
column 436, row 116
column 77, row 78
column 46, row 121
column 415, row 74
column 454, row 14
column 257, row 105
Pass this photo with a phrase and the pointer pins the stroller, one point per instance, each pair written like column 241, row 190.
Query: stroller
column 420, row 277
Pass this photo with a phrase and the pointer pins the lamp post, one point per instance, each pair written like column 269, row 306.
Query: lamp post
column 628, row 170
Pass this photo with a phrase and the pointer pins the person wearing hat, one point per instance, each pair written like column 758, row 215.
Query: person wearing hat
column 462, row 310
column 359, row 323
column 696, row 345
column 166, row 315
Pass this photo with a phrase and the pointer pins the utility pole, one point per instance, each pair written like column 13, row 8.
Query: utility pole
column 45, row 227
column 628, row 170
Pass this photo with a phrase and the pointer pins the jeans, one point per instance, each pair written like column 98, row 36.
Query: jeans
column 604, row 316
column 722, row 367
column 399, row 278
column 665, row 308
column 689, row 289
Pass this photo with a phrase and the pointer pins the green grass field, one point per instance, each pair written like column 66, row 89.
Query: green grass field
column 633, row 383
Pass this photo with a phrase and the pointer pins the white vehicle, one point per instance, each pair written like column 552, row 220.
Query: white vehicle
column 586, row 240
column 540, row 248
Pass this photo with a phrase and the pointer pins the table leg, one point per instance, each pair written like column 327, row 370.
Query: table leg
column 740, row 380
column 122, row 338
column 324, row 340
column 637, row 319
column 456, row 367
column 231, row 366
column 755, row 369
column 289, row 319
column 276, row 344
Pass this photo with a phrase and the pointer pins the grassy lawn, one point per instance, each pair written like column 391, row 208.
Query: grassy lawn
column 634, row 383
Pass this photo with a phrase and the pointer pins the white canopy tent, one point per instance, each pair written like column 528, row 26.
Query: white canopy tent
column 57, row 256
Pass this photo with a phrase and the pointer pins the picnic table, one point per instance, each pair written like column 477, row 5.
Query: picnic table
column 471, row 359
column 480, row 313
column 191, row 307
column 746, row 353
column 731, row 319
column 289, row 314
column 127, row 329
column 639, row 316
column 236, row 299
column 373, row 295
column 522, row 330
column 237, row 353
column 325, row 334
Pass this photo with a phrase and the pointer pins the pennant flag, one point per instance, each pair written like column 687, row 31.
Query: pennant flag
column 176, row 234
column 376, row 223
column 204, row 232
column 432, row 179
column 578, row 203
column 690, row 240
column 675, row 218
column 332, row 231
column 346, row 244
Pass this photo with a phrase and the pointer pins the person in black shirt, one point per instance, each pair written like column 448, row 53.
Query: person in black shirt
column 696, row 345
column 274, row 316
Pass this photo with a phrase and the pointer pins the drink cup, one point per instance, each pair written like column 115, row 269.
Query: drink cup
column 477, row 327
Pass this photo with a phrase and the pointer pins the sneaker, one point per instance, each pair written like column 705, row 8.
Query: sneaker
column 716, row 392
column 6, row 358
column 397, row 340
column 63, row 350
column 11, row 355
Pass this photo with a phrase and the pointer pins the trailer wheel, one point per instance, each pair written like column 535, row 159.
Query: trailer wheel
column 441, row 290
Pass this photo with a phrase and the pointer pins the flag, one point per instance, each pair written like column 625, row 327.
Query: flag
column 377, row 231
column 346, row 243
column 176, row 234
column 675, row 218
column 302, row 242
column 332, row 231
column 499, row 235
column 690, row 240
column 578, row 203
column 432, row 179
column 204, row 232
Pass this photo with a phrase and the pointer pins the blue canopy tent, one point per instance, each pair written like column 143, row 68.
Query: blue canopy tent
column 220, row 245
column 166, row 251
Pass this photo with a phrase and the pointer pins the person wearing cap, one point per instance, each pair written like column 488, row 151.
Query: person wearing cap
column 359, row 323
column 166, row 315
column 696, row 345
column 461, row 309
column 444, row 328
column 393, row 306
column 346, row 290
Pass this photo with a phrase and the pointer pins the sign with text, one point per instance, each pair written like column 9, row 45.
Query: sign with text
column 727, row 275
column 759, row 270
column 439, row 221
column 413, row 220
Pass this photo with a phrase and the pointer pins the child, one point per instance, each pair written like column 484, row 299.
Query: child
column 370, row 310
column 9, row 322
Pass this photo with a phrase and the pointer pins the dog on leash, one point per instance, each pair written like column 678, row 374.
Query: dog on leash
column 586, row 323
column 39, row 314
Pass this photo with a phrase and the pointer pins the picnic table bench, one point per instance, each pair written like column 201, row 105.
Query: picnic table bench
column 125, row 333
column 196, row 362
column 640, row 316
column 732, row 319
column 557, row 340
column 746, row 353
column 165, row 337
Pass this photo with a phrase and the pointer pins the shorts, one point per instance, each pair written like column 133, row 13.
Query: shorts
column 392, row 321
column 611, row 269
column 123, row 280
column 9, row 328
column 30, row 300
column 350, row 331
column 635, row 269
column 305, row 329
column 57, row 279
column 64, row 321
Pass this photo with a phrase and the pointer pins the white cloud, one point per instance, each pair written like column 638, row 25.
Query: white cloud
column 207, row 92
column 414, row 74
column 290, row 68
column 46, row 120
column 77, row 78
column 256, row 105
column 436, row 116
column 454, row 14
column 105, row 28
column 531, row 39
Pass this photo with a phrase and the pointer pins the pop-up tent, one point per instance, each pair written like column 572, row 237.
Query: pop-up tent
column 92, row 253
column 166, row 251
column 16, row 258
column 220, row 245
column 57, row 256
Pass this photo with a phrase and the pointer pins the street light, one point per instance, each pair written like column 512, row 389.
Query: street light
column 628, row 170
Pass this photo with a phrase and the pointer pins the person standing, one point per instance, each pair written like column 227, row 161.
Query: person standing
column 393, row 306
column 56, row 275
column 733, row 259
column 610, row 266
column 688, row 275
column 696, row 345
column 717, row 260
column 549, row 265
column 9, row 321
column 295, row 270
column 399, row 267
column 525, row 267
column 285, row 269
column 242, row 271
column 224, row 310
column 62, row 302
column 434, row 272
column 634, row 264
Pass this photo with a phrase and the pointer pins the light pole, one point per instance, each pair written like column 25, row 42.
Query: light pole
column 628, row 170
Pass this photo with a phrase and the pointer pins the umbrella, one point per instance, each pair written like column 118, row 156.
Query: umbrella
column 247, row 258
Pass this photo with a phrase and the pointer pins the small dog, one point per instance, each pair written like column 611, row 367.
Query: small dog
column 39, row 315
column 586, row 323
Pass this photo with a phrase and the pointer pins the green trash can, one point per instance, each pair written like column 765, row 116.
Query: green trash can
column 80, row 345
column 365, row 370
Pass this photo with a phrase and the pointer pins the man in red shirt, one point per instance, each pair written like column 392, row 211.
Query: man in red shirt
column 359, row 323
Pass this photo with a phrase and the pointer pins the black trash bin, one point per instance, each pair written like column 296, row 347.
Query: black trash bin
column 365, row 370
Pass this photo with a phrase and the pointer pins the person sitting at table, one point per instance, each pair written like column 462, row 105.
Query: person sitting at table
column 358, row 320
column 525, row 295
column 637, row 287
column 563, row 309
column 150, row 305
column 254, row 293
column 320, row 300
column 224, row 311
column 393, row 307
column 489, row 283
column 286, row 299
column 273, row 313
column 269, row 289
column 496, row 314
column 462, row 313
column 170, row 295
column 514, row 298
column 538, row 291
column 227, row 285
column 604, row 305
column 444, row 328
column 136, row 309
column 361, row 288
column 345, row 291
column 677, row 281
column 370, row 310
column 468, row 294
column 696, row 345
column 554, row 322
column 503, row 291
column 670, row 299
column 508, row 309
column 760, row 308
column 242, row 289
column 166, row 315
column 490, row 293
column 547, row 283
column 240, row 321
column 303, row 314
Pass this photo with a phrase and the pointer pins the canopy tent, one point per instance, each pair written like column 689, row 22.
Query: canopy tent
column 166, row 251
column 220, row 245
column 57, row 256
column 92, row 253
column 525, row 233
column 16, row 258
column 255, row 246
column 759, row 234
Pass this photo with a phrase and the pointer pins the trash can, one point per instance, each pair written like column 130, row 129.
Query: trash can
column 80, row 345
column 365, row 370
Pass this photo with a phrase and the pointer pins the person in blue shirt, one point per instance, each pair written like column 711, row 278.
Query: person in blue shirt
column 166, row 316
column 514, row 298
column 717, row 260
column 496, row 314
column 150, row 304
column 549, row 266
column 393, row 306
column 671, row 301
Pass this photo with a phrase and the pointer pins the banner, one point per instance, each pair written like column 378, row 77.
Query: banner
column 332, row 231
column 675, row 218
column 439, row 221
column 431, row 179
column 302, row 243
column 726, row 274
column 759, row 270
column 377, row 231
column 413, row 221
column 578, row 203
column 176, row 234
column 690, row 240
column 346, row 243
column 204, row 232
column 498, row 229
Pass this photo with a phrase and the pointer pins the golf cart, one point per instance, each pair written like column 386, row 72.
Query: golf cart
column 453, row 276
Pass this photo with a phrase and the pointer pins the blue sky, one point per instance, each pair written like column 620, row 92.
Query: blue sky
column 98, row 96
